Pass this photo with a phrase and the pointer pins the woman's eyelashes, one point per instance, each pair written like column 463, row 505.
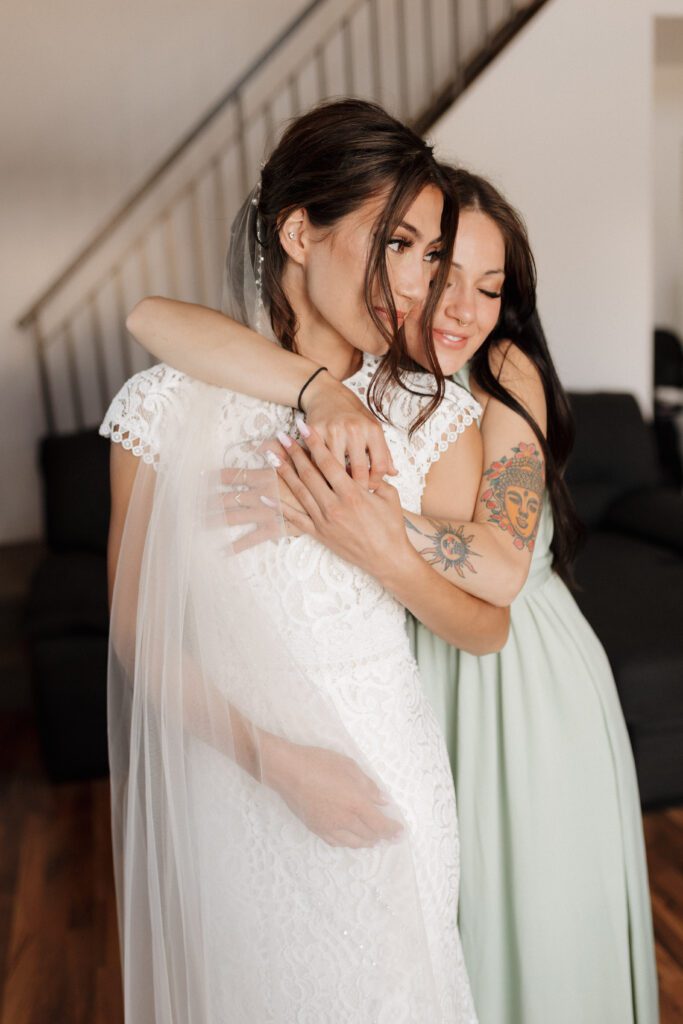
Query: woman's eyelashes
column 490, row 295
column 400, row 245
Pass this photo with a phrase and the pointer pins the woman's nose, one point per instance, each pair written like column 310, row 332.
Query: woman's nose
column 413, row 280
column 460, row 305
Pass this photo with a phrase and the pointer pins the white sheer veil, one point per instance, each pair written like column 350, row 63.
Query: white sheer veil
column 231, row 910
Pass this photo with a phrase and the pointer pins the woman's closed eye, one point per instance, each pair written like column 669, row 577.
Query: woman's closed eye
column 490, row 295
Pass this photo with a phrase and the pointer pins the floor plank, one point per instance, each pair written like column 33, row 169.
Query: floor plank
column 58, row 932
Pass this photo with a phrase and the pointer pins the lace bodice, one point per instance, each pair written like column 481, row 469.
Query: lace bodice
column 331, row 611
column 152, row 400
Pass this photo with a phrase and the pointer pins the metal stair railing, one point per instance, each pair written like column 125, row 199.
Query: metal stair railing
column 413, row 56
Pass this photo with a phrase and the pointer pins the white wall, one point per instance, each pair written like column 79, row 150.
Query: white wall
column 668, row 186
column 94, row 93
column 562, row 122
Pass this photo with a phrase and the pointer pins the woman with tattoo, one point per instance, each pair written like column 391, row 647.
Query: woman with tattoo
column 554, row 910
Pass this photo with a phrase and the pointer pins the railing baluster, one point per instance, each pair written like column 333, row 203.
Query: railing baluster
column 294, row 97
column 121, row 314
column 145, row 278
column 98, row 346
column 198, row 246
column 43, row 376
column 456, row 40
column 348, row 57
column 170, row 253
column 321, row 72
column 242, row 146
column 72, row 371
column 428, row 29
column 401, row 52
column 269, row 127
column 484, row 21
column 375, row 52
column 143, row 262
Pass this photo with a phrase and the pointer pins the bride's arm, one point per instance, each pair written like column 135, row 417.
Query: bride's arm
column 211, row 347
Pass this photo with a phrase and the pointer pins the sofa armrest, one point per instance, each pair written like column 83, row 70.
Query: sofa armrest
column 653, row 514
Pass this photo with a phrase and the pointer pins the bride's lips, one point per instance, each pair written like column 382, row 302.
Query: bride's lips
column 400, row 315
column 450, row 340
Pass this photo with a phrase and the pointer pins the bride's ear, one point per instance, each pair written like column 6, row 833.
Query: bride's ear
column 294, row 235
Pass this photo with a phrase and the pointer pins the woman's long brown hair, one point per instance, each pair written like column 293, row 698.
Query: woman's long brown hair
column 519, row 323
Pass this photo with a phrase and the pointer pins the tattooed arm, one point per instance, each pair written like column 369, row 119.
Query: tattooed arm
column 488, row 553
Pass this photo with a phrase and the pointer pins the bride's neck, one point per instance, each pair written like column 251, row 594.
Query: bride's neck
column 316, row 339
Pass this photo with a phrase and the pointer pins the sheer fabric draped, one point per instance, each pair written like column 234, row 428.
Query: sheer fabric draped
column 230, row 908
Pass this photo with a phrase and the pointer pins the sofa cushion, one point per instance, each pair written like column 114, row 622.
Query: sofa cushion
column 69, row 596
column 654, row 514
column 69, row 676
column 632, row 594
column 76, row 491
column 614, row 452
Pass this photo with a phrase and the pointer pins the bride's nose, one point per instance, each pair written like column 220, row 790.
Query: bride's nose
column 412, row 282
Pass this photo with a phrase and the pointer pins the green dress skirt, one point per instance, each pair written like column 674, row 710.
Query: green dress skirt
column 554, row 903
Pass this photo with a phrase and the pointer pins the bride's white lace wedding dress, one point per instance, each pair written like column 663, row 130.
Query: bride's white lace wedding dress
column 284, row 927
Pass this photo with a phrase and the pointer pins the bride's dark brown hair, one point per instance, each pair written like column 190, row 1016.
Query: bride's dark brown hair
column 330, row 161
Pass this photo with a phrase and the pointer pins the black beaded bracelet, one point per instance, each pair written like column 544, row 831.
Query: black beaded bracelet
column 309, row 381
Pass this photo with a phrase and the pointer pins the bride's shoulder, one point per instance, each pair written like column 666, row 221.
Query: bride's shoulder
column 138, row 412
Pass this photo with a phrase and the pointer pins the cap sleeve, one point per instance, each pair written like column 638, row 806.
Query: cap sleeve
column 458, row 411
column 138, row 413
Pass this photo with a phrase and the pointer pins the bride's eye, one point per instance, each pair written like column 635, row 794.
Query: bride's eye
column 435, row 256
column 399, row 244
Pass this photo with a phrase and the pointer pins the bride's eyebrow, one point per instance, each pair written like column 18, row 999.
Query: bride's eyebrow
column 487, row 273
column 416, row 233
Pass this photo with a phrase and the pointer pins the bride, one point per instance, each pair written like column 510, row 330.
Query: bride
column 284, row 823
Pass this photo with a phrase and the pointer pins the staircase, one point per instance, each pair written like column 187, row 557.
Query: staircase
column 415, row 57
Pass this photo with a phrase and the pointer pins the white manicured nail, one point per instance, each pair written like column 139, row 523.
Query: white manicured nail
column 272, row 460
column 284, row 439
column 303, row 429
column 268, row 501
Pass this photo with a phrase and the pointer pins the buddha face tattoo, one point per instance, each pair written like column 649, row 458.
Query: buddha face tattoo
column 515, row 494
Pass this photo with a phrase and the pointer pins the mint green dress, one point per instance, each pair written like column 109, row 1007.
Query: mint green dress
column 554, row 904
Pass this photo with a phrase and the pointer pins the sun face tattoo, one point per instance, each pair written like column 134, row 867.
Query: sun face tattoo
column 515, row 495
column 449, row 546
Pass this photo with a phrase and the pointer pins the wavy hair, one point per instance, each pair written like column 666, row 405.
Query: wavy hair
column 519, row 323
column 330, row 161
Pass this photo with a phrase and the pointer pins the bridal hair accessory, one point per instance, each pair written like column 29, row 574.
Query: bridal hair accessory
column 243, row 282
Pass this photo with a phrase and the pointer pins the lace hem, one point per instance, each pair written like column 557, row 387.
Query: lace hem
column 143, row 449
column 136, row 416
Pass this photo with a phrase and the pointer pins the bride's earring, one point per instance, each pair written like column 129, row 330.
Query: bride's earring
column 291, row 234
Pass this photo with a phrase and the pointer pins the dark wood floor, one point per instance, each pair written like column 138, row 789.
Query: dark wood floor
column 58, row 940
